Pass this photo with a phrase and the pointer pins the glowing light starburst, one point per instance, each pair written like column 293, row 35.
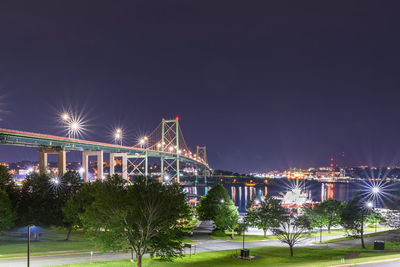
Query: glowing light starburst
column 74, row 125
column 118, row 135
column 376, row 191
column 55, row 183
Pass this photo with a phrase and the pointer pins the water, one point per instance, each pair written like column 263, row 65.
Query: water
column 242, row 193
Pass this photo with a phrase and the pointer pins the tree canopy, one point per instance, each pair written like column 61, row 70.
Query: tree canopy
column 290, row 232
column 332, row 208
column 70, row 185
column 147, row 216
column 210, row 205
column 353, row 217
column 228, row 217
column 5, row 177
column 6, row 214
column 318, row 218
column 268, row 213
column 39, row 203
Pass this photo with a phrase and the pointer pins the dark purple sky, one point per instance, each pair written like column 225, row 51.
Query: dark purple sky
column 264, row 86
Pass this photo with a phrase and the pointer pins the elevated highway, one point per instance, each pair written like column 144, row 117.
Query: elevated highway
column 167, row 149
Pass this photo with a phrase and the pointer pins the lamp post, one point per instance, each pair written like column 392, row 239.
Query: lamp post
column 29, row 244
column 368, row 206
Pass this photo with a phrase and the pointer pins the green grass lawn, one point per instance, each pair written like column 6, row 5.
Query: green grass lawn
column 354, row 237
column 51, row 240
column 343, row 231
column 270, row 256
column 227, row 235
column 248, row 238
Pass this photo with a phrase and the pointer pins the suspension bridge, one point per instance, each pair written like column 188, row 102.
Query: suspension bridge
column 165, row 144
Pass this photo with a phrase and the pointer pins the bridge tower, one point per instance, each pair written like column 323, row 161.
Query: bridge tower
column 202, row 153
column 170, row 144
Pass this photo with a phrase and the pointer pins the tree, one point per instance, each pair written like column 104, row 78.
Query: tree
column 147, row 216
column 227, row 217
column 71, row 183
column 5, row 177
column 39, row 203
column 332, row 208
column 291, row 232
column 267, row 214
column 318, row 218
column 7, row 184
column 353, row 217
column 76, row 204
column 210, row 205
column 6, row 214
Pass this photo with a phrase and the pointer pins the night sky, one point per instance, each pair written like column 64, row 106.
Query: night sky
column 263, row 85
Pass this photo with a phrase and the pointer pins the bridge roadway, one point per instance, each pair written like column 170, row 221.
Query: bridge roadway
column 59, row 145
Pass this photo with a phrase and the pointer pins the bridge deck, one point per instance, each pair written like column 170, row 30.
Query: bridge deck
column 22, row 138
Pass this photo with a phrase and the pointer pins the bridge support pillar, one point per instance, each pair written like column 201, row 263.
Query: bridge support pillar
column 62, row 162
column 43, row 161
column 85, row 163
column 62, row 159
column 124, row 157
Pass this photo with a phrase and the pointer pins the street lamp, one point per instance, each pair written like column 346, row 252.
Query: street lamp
column 65, row 116
column 367, row 206
column 29, row 244
column 143, row 141
column 74, row 127
column 375, row 190
column 118, row 136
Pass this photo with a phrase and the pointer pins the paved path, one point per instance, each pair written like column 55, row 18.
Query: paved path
column 205, row 244
column 382, row 264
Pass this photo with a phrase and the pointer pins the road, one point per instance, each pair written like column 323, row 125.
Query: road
column 382, row 264
column 204, row 244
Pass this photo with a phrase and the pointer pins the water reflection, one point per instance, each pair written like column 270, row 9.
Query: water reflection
column 241, row 193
